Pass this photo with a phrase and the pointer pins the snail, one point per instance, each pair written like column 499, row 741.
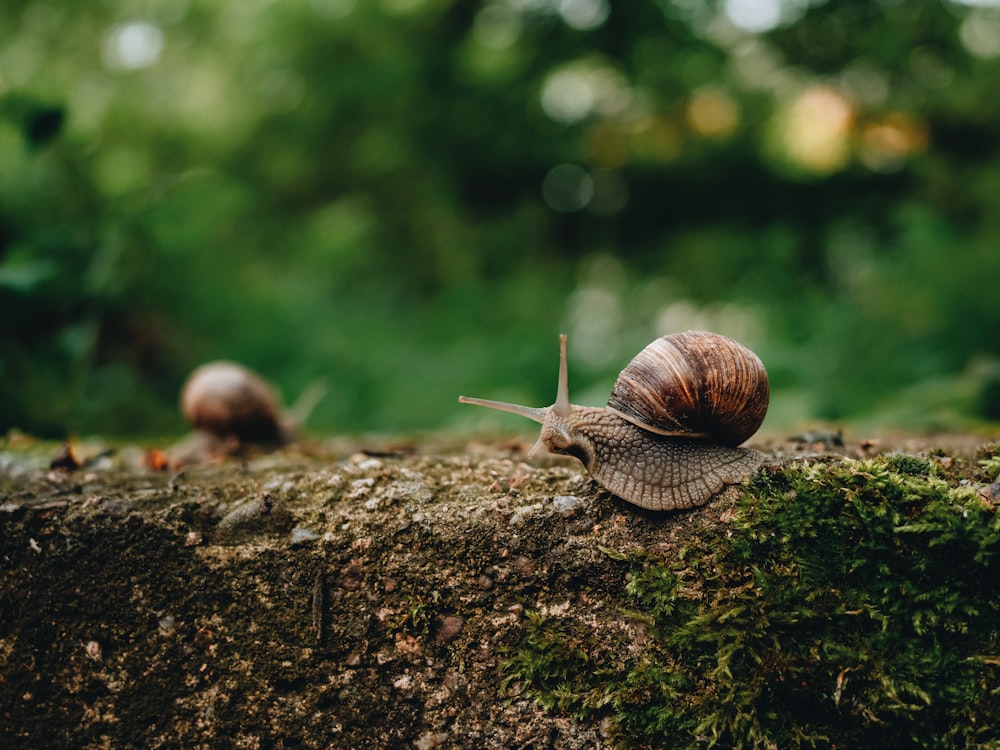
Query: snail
column 668, row 438
column 229, row 401
column 232, row 409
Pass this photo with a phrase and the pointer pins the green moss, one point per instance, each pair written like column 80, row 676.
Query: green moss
column 852, row 604
column 991, row 467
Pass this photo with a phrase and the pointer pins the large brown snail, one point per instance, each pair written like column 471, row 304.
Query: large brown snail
column 668, row 437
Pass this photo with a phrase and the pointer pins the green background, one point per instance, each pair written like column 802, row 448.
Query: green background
column 410, row 199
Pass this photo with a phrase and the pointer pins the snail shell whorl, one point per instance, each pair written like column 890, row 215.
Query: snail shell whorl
column 697, row 384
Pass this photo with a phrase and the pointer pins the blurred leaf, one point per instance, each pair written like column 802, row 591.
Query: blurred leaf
column 25, row 276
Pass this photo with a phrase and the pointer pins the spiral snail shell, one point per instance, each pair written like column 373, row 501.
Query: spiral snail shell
column 226, row 399
column 669, row 435
column 694, row 384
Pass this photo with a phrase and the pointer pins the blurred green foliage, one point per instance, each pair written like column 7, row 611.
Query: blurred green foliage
column 411, row 198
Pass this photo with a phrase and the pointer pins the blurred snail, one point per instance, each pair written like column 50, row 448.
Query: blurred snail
column 228, row 400
column 668, row 437
column 235, row 405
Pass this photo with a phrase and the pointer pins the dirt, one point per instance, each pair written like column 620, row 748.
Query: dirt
column 318, row 596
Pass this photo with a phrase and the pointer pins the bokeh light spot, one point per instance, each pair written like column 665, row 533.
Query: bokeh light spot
column 574, row 92
column 885, row 146
column 817, row 128
column 584, row 15
column 133, row 45
column 980, row 34
column 713, row 113
column 567, row 97
column 755, row 16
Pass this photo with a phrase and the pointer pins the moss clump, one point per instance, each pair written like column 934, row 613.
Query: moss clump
column 852, row 604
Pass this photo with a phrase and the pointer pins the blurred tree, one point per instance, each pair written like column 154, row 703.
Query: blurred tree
column 410, row 198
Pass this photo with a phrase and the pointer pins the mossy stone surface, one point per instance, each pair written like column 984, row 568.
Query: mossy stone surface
column 322, row 596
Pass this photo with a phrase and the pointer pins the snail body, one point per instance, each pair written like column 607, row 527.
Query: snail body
column 669, row 437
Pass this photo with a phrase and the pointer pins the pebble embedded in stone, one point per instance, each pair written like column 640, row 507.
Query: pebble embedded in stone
column 450, row 627
column 431, row 740
column 301, row 535
column 567, row 504
column 990, row 493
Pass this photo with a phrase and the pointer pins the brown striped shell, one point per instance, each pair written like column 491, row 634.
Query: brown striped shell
column 694, row 384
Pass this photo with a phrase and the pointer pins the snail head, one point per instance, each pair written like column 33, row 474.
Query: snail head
column 556, row 435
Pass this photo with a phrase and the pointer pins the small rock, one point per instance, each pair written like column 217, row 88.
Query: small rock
column 416, row 492
column 362, row 544
column 524, row 566
column 407, row 644
column 431, row 740
column 301, row 535
column 523, row 513
column 352, row 574
column 605, row 727
column 359, row 488
column 990, row 493
column 115, row 509
column 93, row 650
column 263, row 513
column 193, row 539
column 278, row 484
column 450, row 627
column 369, row 464
column 567, row 504
column 167, row 625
